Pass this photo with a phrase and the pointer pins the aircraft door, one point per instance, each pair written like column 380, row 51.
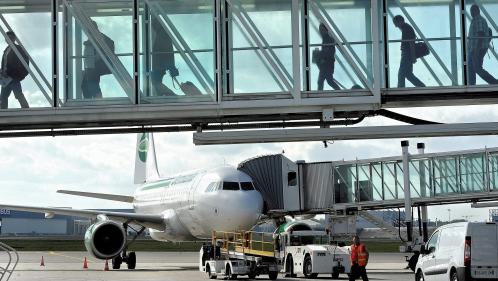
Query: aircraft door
column 291, row 185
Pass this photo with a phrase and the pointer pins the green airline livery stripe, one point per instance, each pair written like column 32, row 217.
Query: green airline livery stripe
column 163, row 184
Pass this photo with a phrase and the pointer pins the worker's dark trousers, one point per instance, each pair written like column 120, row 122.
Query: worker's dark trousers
column 357, row 272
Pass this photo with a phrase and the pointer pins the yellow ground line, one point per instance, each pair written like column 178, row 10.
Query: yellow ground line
column 70, row 257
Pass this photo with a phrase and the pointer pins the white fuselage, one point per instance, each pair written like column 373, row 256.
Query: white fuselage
column 195, row 204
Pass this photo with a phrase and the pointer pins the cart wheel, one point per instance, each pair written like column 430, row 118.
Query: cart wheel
column 273, row 275
column 335, row 275
column 229, row 274
column 308, row 268
column 251, row 275
column 209, row 273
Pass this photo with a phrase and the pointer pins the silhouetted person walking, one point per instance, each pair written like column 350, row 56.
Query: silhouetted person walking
column 408, row 57
column 13, row 70
column 95, row 67
column 326, row 59
column 163, row 59
column 478, row 41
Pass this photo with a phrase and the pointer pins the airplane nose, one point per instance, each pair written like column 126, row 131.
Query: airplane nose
column 249, row 209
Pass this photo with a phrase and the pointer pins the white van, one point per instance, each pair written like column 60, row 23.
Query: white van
column 460, row 252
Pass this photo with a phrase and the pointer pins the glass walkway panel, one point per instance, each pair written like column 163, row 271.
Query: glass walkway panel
column 434, row 178
column 195, row 60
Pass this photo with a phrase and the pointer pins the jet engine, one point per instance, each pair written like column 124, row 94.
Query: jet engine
column 105, row 239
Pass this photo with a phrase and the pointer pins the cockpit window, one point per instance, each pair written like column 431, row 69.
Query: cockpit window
column 229, row 185
column 213, row 187
column 246, row 185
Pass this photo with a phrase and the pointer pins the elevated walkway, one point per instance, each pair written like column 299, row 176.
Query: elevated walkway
column 246, row 60
column 368, row 184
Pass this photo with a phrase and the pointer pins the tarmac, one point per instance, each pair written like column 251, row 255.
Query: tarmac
column 164, row 266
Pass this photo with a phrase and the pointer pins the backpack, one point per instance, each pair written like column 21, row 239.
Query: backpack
column 100, row 66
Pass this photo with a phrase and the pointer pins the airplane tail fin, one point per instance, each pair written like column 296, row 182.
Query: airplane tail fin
column 145, row 162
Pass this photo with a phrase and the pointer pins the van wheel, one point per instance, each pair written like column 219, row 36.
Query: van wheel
column 308, row 268
column 454, row 276
column 419, row 276
column 209, row 273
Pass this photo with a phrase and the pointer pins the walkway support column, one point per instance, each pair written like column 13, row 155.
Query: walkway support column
column 423, row 184
column 406, row 187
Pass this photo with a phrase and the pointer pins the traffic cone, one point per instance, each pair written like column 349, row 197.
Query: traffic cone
column 106, row 267
column 85, row 263
column 42, row 263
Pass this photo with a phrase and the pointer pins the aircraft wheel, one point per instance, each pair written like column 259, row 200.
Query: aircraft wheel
column 116, row 262
column 132, row 260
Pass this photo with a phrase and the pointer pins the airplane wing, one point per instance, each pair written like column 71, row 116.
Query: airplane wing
column 105, row 196
column 150, row 221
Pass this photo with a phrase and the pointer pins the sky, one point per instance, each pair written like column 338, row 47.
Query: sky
column 33, row 169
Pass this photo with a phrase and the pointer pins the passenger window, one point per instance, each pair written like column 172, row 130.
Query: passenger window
column 246, row 186
column 228, row 185
column 432, row 244
column 292, row 179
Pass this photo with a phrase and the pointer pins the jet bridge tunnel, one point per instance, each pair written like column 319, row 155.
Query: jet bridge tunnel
column 342, row 186
column 245, row 59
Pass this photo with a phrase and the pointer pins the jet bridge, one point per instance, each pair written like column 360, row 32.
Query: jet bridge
column 342, row 187
column 248, row 61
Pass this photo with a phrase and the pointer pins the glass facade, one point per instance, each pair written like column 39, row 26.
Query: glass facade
column 211, row 51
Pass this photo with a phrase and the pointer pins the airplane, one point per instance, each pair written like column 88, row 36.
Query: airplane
column 185, row 207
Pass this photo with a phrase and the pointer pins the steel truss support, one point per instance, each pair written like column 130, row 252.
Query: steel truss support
column 106, row 54
column 262, row 44
column 182, row 46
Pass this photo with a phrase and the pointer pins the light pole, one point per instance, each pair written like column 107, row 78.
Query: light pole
column 449, row 215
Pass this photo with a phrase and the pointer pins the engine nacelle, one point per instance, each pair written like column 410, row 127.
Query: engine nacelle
column 105, row 239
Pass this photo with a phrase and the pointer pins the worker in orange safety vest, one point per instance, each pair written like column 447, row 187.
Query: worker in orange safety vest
column 359, row 260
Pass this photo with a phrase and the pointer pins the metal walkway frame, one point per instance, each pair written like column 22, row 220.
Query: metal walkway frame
column 295, row 100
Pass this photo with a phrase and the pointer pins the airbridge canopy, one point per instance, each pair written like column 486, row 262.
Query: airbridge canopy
column 246, row 59
column 340, row 186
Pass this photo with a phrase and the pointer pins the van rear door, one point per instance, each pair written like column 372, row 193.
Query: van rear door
column 484, row 250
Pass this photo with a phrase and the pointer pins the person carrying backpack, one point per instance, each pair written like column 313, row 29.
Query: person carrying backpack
column 14, row 72
column 94, row 67
column 325, row 59
column 478, row 43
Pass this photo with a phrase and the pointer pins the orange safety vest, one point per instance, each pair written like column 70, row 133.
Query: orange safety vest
column 359, row 254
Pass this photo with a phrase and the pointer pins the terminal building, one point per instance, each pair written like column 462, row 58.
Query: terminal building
column 19, row 223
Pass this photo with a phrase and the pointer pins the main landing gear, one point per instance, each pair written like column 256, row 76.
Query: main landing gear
column 129, row 258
